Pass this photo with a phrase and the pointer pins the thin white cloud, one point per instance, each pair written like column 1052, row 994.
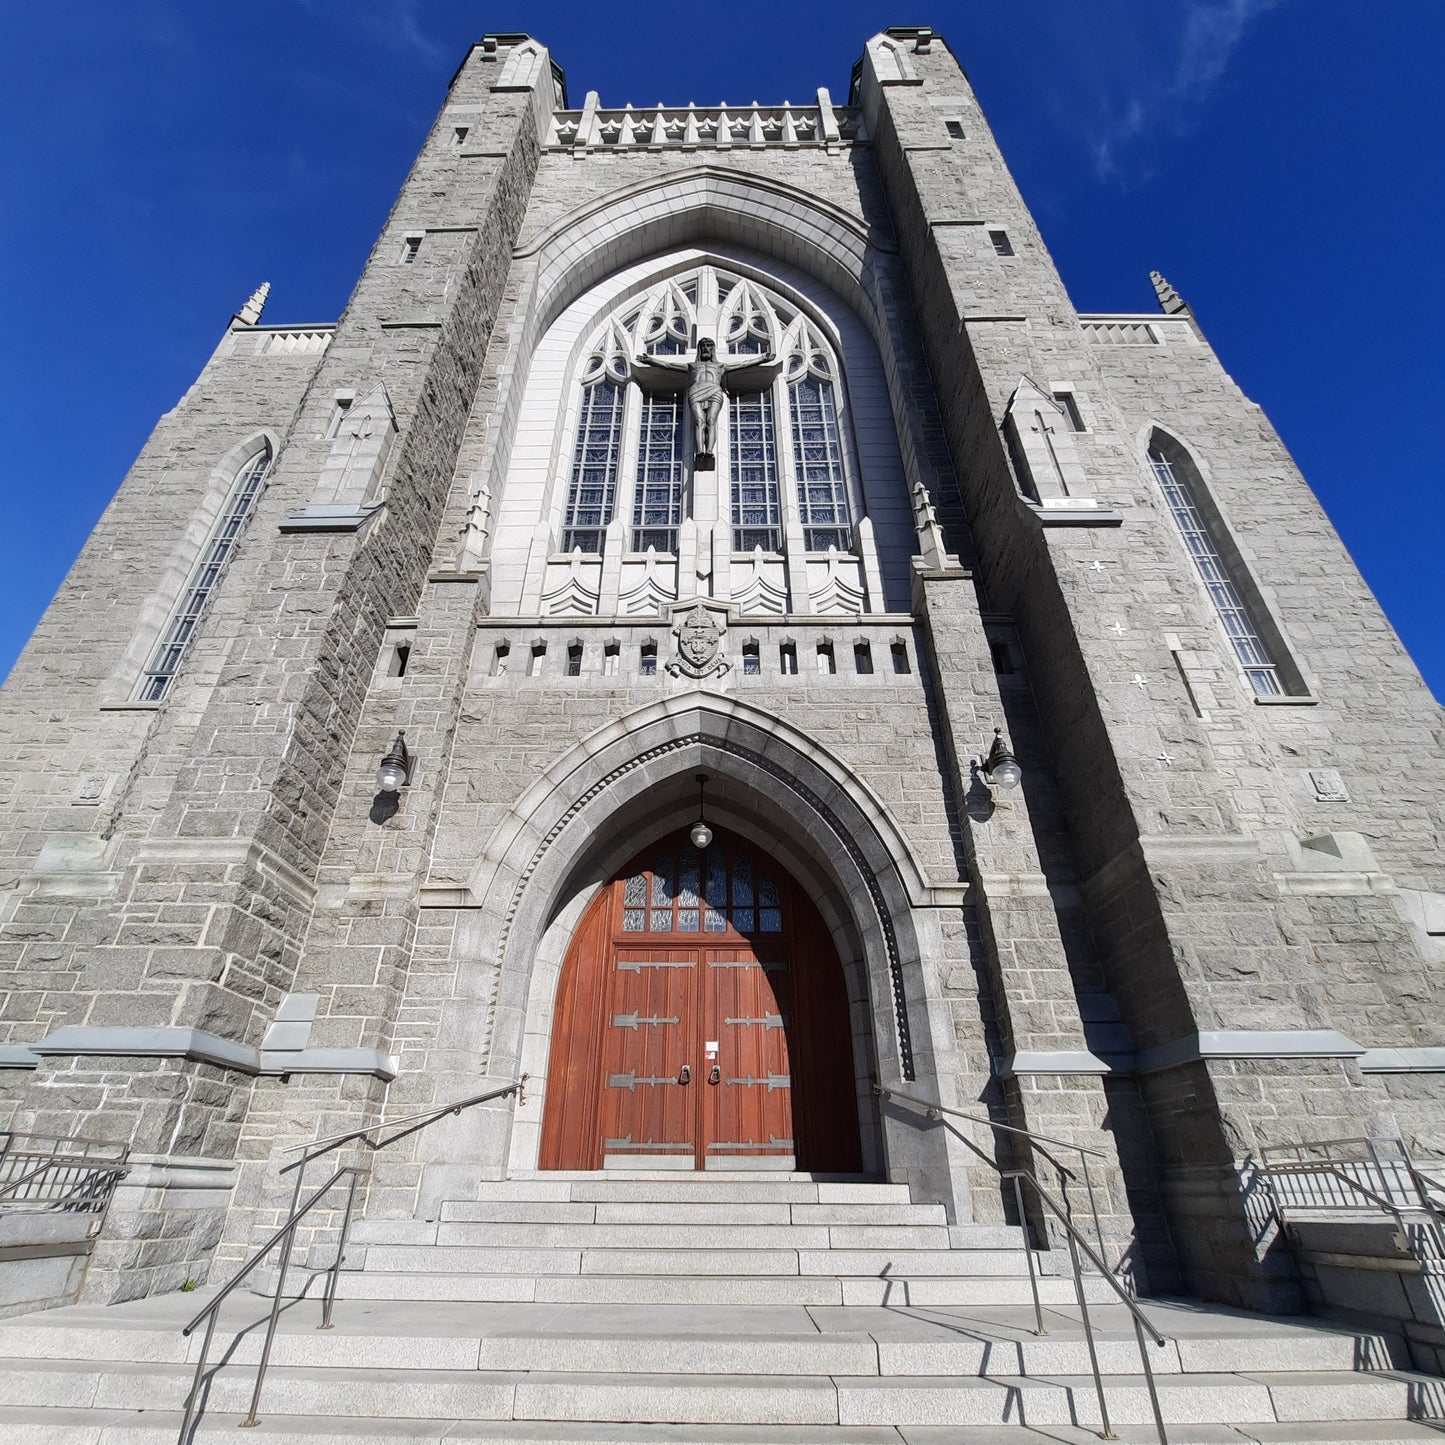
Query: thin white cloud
column 1170, row 104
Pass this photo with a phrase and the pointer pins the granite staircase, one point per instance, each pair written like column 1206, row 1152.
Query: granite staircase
column 745, row 1309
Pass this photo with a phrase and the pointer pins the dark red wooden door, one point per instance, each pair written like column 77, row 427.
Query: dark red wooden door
column 701, row 1021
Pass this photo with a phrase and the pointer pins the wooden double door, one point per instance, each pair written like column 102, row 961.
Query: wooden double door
column 701, row 1023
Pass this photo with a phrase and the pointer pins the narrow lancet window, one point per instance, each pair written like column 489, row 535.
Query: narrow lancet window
column 757, row 521
column 166, row 657
column 818, row 456
column 594, row 467
column 657, row 501
column 1254, row 657
column 818, row 466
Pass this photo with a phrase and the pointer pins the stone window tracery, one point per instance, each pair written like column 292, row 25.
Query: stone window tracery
column 778, row 487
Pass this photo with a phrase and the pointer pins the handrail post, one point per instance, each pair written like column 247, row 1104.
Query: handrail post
column 285, row 1236
column 251, row 1417
column 194, row 1397
column 1093, row 1207
column 340, row 1251
column 1029, row 1256
column 1108, row 1432
column 1149, row 1381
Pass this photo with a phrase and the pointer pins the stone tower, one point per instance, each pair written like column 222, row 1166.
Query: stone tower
column 473, row 526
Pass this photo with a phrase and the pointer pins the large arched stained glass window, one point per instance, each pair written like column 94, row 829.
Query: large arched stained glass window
column 176, row 637
column 783, row 446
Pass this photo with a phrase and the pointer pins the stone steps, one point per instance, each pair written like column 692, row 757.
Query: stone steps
column 410, row 1391
column 596, row 1311
column 721, row 1289
column 157, row 1427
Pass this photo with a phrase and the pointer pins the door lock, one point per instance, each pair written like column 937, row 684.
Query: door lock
column 685, row 1077
column 715, row 1076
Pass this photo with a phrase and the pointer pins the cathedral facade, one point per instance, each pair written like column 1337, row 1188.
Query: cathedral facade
column 714, row 631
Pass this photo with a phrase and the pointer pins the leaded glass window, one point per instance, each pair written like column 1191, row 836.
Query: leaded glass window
column 818, row 459
column 720, row 890
column 757, row 520
column 594, row 467
column 166, row 656
column 1259, row 667
column 657, row 499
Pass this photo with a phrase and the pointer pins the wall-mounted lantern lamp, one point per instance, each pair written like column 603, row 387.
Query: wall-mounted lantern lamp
column 1000, row 768
column 701, row 834
column 395, row 769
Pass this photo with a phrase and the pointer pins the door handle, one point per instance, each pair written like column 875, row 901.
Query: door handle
column 685, row 1077
column 715, row 1076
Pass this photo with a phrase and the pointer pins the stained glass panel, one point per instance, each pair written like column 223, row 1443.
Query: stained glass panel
column 742, row 880
column 687, row 886
column 715, row 890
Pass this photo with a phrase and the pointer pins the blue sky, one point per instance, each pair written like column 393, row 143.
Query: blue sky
column 1281, row 161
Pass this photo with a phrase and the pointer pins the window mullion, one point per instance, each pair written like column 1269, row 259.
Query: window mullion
column 627, row 462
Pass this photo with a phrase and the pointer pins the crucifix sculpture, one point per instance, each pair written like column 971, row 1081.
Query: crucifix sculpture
column 709, row 381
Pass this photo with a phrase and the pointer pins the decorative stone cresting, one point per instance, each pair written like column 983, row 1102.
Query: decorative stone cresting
column 719, row 127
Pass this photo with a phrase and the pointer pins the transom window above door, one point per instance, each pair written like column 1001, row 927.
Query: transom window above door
column 687, row 891
column 780, row 477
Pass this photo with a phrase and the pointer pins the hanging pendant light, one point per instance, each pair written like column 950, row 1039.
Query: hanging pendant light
column 701, row 834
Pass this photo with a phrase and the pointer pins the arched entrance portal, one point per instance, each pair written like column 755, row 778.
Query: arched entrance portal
column 701, row 1022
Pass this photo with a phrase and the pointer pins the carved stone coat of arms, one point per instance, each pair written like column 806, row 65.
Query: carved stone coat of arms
column 699, row 643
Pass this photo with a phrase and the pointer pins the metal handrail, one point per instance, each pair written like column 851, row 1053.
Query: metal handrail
column 101, row 1180
column 286, row 1237
column 100, row 1172
column 1036, row 1141
column 1392, row 1172
column 1063, row 1213
column 992, row 1123
column 318, row 1147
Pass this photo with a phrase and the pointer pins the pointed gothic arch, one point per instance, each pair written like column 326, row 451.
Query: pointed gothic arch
column 629, row 784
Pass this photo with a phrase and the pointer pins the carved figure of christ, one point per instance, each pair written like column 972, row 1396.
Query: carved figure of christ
column 709, row 381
